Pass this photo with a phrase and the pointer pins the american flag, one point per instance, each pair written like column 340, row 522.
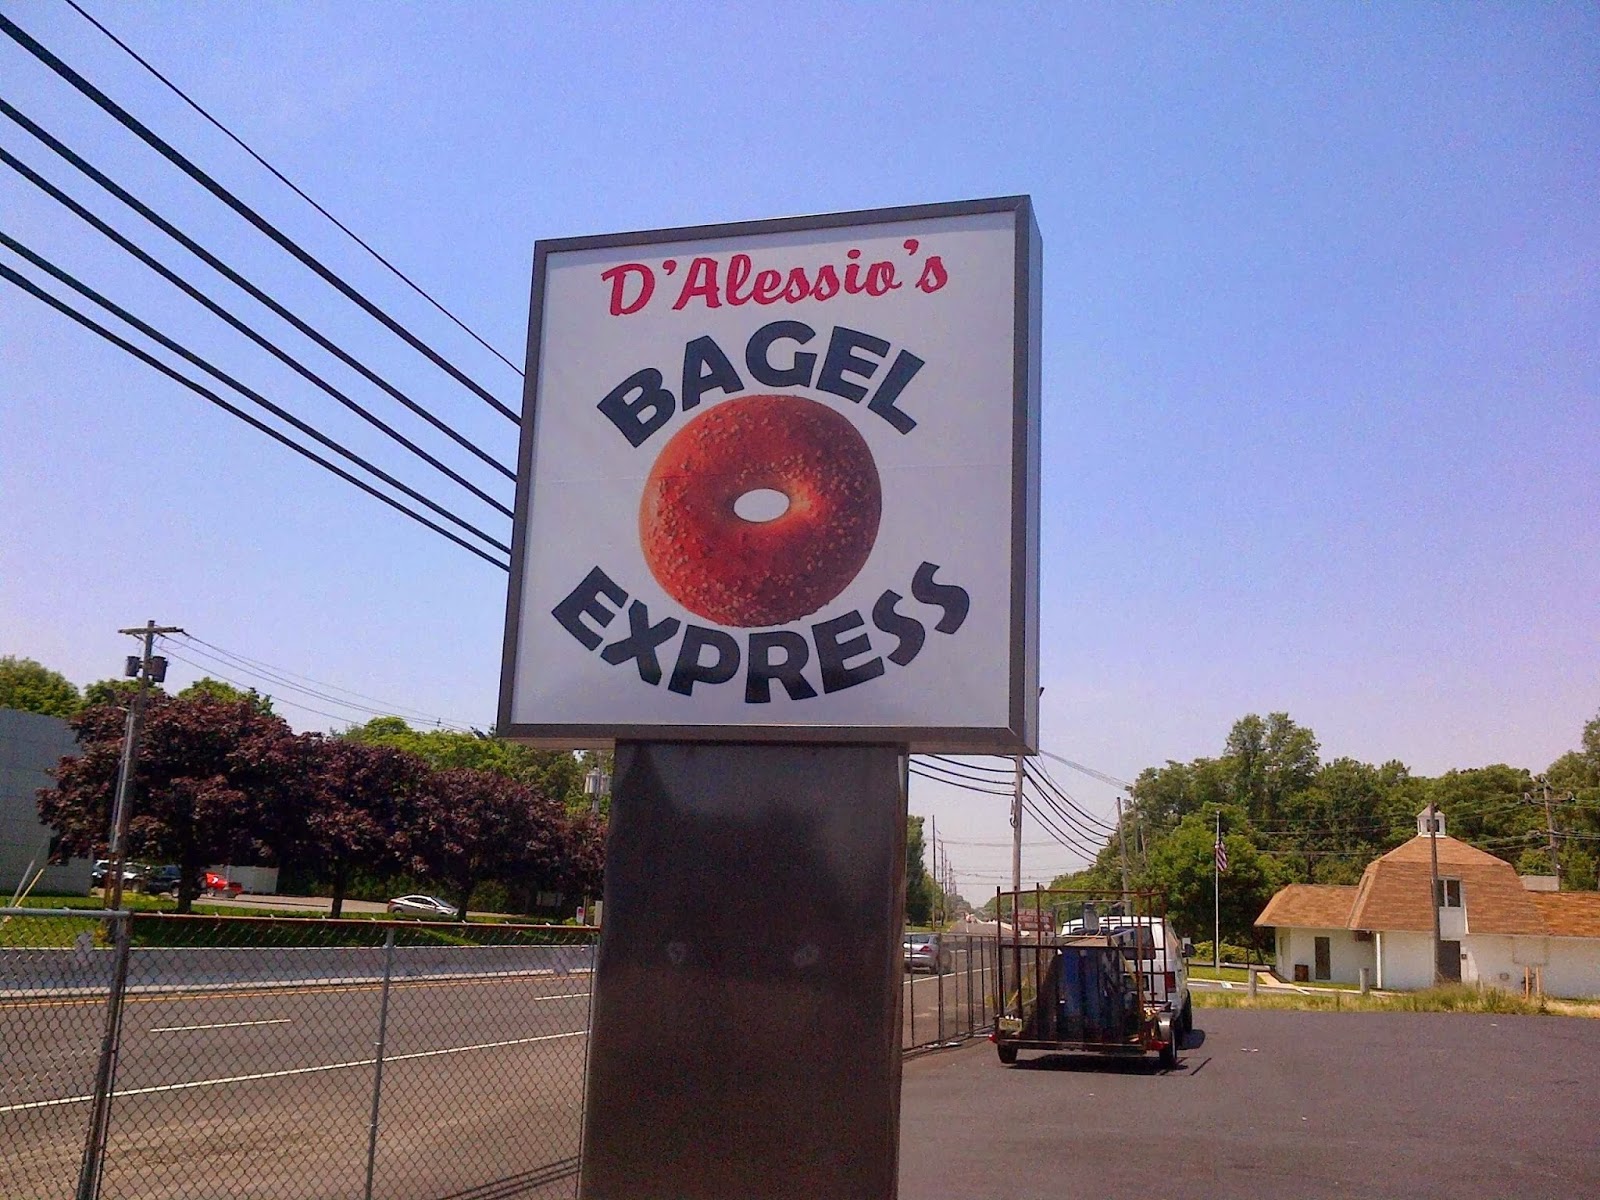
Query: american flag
column 1222, row 858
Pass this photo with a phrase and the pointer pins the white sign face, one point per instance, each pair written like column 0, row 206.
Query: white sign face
column 778, row 481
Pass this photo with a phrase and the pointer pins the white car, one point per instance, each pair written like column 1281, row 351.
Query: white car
column 423, row 906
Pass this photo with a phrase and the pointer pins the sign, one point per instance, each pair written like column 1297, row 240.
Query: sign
column 778, row 481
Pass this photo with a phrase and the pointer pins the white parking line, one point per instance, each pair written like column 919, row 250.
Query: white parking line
column 220, row 1025
column 339, row 1066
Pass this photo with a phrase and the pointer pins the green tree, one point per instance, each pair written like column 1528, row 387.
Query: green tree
column 33, row 687
column 1180, row 868
column 553, row 773
column 217, row 689
column 920, row 890
column 116, row 692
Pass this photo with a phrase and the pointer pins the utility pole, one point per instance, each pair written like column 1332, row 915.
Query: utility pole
column 1550, row 826
column 1016, row 836
column 1434, row 897
column 938, row 908
column 1122, row 845
column 148, row 669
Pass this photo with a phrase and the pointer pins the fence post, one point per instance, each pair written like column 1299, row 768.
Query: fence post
column 105, row 1076
column 377, row 1074
column 938, row 970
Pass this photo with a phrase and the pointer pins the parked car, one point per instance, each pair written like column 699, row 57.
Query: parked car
column 217, row 885
column 422, row 906
column 927, row 952
column 162, row 879
column 102, row 869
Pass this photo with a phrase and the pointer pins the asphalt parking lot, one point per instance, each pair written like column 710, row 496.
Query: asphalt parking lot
column 1279, row 1104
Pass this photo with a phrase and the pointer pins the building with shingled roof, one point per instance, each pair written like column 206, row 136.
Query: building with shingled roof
column 1495, row 927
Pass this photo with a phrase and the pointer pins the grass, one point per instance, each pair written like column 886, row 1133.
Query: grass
column 1462, row 998
column 1231, row 974
column 285, row 929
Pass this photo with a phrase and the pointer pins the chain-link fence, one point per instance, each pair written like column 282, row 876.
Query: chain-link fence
column 290, row 1059
column 169, row 1058
column 955, row 1001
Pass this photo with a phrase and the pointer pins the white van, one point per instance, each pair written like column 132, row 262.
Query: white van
column 1161, row 953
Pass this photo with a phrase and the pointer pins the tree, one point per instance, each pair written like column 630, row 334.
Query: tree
column 552, row 773
column 213, row 783
column 475, row 824
column 920, row 891
column 218, row 690
column 112, row 691
column 1181, row 866
column 360, row 809
column 32, row 687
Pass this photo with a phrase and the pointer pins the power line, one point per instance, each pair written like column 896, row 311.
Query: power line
column 212, row 306
column 155, row 142
column 76, row 160
column 966, row 787
column 955, row 775
column 273, row 679
column 238, row 141
column 156, row 335
column 1061, row 792
column 201, row 390
column 266, row 670
column 1089, row 771
column 1005, row 771
column 1066, row 822
column 213, row 673
column 1063, row 838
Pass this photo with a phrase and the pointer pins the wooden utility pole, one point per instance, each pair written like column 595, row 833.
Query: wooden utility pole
column 1433, row 887
column 148, row 669
column 1122, row 846
column 1550, row 826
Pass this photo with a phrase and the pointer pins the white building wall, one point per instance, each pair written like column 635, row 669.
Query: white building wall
column 1574, row 968
column 1346, row 955
column 1496, row 960
column 1407, row 960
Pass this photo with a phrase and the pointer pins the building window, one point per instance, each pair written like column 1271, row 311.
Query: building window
column 1448, row 894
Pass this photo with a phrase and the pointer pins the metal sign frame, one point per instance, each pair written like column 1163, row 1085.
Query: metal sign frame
column 1020, row 733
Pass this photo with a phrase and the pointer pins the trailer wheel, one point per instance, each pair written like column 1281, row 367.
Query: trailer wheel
column 1169, row 1056
column 1008, row 1054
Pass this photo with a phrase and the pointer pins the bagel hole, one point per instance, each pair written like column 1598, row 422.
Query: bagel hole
column 761, row 505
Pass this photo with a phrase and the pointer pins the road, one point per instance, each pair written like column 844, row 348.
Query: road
column 1285, row 1104
column 267, row 1091
column 265, row 1088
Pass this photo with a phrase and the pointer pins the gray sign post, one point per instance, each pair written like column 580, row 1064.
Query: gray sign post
column 745, row 1039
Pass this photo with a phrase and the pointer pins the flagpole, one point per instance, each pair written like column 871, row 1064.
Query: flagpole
column 1216, row 900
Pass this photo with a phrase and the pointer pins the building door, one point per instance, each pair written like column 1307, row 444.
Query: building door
column 1324, row 962
column 1450, row 961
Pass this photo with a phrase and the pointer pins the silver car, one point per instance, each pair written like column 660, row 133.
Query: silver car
column 423, row 906
column 927, row 952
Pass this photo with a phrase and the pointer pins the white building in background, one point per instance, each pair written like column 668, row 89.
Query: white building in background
column 31, row 744
column 1495, row 927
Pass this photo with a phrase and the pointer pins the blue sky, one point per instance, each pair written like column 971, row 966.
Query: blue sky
column 1321, row 389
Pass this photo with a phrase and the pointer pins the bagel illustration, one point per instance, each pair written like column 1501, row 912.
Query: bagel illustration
column 748, row 573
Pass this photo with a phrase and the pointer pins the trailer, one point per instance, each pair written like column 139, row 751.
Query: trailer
column 1087, row 989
